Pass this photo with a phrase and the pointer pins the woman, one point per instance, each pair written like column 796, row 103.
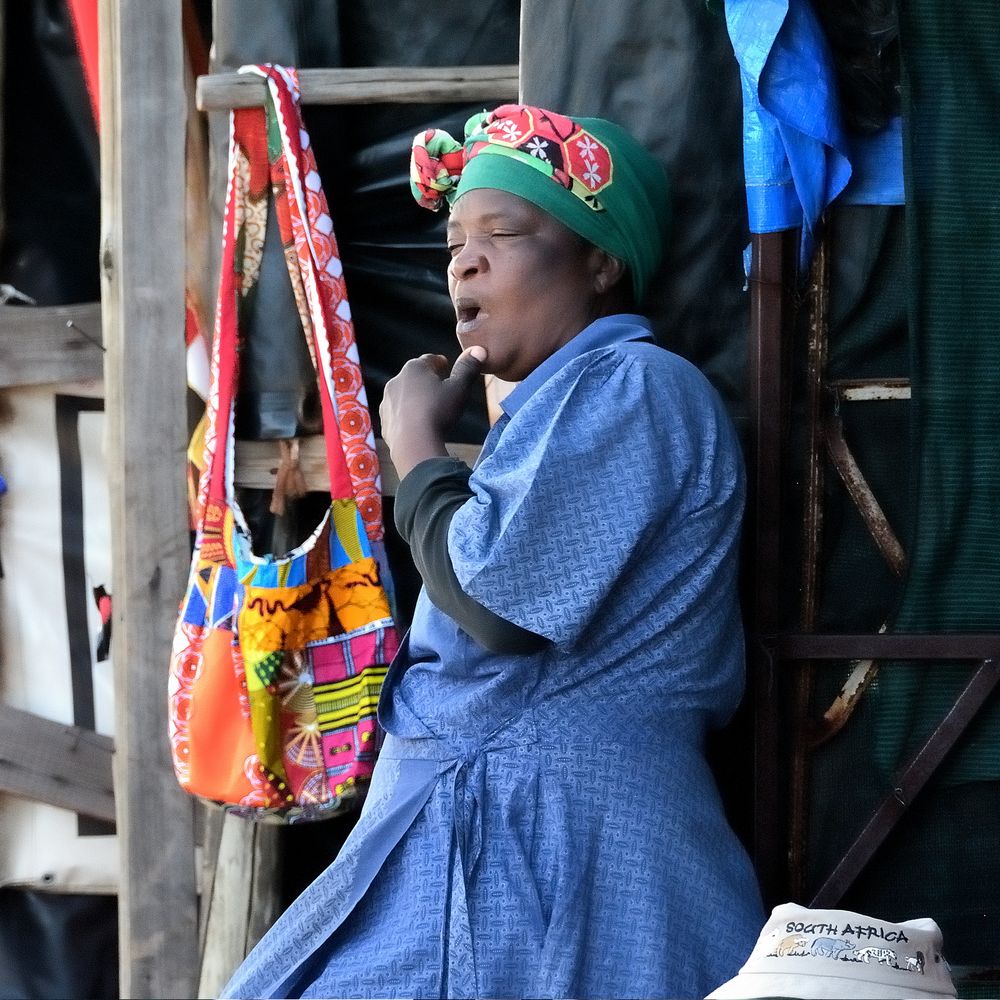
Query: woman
column 542, row 821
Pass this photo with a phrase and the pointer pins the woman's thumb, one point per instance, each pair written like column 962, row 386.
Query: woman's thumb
column 467, row 367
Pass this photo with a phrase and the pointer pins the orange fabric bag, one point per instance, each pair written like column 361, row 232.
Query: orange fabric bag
column 278, row 661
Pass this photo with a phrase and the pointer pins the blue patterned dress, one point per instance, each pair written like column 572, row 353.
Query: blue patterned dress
column 546, row 825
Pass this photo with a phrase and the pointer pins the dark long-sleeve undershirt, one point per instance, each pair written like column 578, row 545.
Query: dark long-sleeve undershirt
column 426, row 501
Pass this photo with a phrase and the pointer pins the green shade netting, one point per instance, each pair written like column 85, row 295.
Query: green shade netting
column 951, row 54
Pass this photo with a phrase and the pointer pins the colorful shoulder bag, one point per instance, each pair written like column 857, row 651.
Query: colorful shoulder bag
column 278, row 661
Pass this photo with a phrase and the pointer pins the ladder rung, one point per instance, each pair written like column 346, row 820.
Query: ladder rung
column 367, row 85
column 257, row 463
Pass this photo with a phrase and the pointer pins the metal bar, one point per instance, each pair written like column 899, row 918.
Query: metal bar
column 861, row 493
column 884, row 646
column 773, row 257
column 812, row 513
column 867, row 394
column 866, row 389
column 909, row 784
column 836, row 716
column 818, row 298
column 367, row 85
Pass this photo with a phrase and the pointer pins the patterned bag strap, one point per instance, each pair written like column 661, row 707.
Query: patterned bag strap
column 272, row 145
column 223, row 369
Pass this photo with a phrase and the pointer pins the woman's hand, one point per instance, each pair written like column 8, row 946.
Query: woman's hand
column 422, row 402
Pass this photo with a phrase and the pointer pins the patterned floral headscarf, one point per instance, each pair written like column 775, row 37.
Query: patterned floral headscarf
column 588, row 173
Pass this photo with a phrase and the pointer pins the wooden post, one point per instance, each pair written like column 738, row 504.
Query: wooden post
column 142, row 269
column 242, row 900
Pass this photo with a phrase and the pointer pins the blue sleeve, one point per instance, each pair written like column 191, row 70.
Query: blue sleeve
column 607, row 452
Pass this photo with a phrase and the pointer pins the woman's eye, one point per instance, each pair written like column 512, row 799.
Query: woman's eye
column 501, row 234
column 454, row 248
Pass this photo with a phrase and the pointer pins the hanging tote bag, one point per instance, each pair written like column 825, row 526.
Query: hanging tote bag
column 277, row 661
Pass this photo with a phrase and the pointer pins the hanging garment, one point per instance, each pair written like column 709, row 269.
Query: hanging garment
column 278, row 659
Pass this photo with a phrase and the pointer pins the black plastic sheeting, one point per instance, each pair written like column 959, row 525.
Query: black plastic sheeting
column 392, row 250
column 671, row 79
column 58, row 945
column 51, row 164
column 667, row 73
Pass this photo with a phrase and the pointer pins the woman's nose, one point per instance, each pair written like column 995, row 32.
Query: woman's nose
column 467, row 262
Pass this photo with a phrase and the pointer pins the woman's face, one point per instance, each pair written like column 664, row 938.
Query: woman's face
column 522, row 284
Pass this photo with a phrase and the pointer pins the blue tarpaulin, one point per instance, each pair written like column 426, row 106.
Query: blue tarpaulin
column 797, row 155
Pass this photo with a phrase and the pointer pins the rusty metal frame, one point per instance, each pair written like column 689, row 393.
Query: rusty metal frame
column 860, row 492
column 910, row 781
column 772, row 303
column 779, row 832
column 817, row 310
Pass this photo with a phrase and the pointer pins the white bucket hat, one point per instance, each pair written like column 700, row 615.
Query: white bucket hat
column 807, row 953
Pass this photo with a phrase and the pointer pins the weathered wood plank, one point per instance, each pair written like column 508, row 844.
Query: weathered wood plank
column 38, row 348
column 142, row 270
column 374, row 85
column 267, row 871
column 208, row 837
column 244, row 899
column 257, row 463
column 54, row 763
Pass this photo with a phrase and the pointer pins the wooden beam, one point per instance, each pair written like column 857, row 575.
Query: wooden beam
column 38, row 347
column 375, row 85
column 54, row 763
column 142, row 271
column 257, row 463
column 243, row 900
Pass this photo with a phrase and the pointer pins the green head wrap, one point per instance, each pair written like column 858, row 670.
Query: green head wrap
column 588, row 173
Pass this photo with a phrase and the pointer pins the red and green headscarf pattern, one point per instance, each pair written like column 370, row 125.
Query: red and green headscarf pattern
column 588, row 173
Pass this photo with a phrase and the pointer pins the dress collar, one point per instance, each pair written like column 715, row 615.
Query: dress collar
column 603, row 332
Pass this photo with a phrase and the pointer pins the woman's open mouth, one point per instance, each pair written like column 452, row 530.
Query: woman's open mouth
column 467, row 312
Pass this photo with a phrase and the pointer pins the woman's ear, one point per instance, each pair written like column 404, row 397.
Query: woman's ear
column 608, row 271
